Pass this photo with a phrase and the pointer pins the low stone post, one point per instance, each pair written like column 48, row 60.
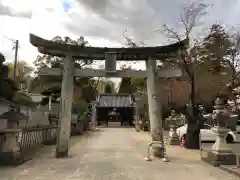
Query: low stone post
column 173, row 122
column 136, row 117
column 137, row 123
column 10, row 152
column 94, row 116
column 221, row 117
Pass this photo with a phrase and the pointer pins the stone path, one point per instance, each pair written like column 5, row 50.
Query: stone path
column 114, row 154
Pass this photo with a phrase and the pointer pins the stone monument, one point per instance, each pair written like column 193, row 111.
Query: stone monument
column 221, row 116
column 173, row 122
column 220, row 153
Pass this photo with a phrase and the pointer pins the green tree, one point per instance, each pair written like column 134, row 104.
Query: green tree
column 126, row 85
column 215, row 47
column 222, row 55
column 9, row 89
column 23, row 71
column 43, row 61
column 49, row 61
column 88, row 84
column 232, row 59
column 139, row 83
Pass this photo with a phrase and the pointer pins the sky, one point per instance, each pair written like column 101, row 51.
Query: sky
column 101, row 22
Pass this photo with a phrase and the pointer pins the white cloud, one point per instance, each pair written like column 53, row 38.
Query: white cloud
column 93, row 21
column 48, row 19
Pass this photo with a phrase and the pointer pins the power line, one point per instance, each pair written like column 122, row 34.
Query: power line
column 10, row 39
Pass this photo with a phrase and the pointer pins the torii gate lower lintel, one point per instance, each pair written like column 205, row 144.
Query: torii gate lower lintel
column 110, row 55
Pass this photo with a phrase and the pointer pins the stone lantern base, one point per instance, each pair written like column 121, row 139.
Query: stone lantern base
column 173, row 137
column 137, row 126
column 219, row 159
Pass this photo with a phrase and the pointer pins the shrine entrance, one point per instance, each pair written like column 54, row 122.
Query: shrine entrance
column 122, row 116
column 110, row 56
column 119, row 108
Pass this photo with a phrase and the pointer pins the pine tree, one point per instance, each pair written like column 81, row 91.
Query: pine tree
column 216, row 46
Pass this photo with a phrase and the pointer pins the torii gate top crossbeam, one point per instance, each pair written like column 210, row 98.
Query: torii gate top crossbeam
column 98, row 53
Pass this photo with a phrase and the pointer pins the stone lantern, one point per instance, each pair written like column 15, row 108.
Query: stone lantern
column 173, row 122
column 221, row 117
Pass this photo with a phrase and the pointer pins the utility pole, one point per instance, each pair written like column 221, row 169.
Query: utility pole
column 16, row 46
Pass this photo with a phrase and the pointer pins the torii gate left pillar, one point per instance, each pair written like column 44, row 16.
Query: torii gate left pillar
column 66, row 108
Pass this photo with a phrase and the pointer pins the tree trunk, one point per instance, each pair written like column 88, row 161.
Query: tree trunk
column 193, row 129
column 192, row 137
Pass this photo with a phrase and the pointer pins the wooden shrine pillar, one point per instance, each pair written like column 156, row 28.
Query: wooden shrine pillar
column 65, row 108
column 154, row 107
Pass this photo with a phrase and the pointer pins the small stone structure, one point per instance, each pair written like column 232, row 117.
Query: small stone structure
column 18, row 145
column 173, row 121
column 221, row 153
column 221, row 116
column 22, row 131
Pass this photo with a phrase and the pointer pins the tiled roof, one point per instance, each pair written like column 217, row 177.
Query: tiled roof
column 114, row 100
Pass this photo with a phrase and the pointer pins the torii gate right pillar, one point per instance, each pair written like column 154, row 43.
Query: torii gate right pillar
column 154, row 108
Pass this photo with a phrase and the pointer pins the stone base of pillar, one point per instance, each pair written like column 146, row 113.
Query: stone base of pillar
column 62, row 154
column 10, row 152
column 51, row 142
column 158, row 152
column 11, row 158
column 217, row 159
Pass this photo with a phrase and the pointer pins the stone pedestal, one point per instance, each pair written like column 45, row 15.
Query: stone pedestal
column 136, row 115
column 10, row 153
column 217, row 159
column 173, row 122
column 173, row 136
column 137, row 126
column 221, row 153
column 220, row 145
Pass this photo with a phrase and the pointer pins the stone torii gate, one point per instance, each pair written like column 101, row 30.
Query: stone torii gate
column 110, row 55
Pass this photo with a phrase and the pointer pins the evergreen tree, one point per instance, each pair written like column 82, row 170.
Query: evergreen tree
column 215, row 48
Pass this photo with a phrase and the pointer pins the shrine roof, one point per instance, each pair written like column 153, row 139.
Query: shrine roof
column 98, row 53
column 114, row 100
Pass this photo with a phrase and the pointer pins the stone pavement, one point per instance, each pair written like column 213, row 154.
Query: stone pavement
column 114, row 154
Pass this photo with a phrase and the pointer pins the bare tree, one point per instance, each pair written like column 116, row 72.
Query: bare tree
column 189, row 19
column 233, row 59
column 129, row 42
